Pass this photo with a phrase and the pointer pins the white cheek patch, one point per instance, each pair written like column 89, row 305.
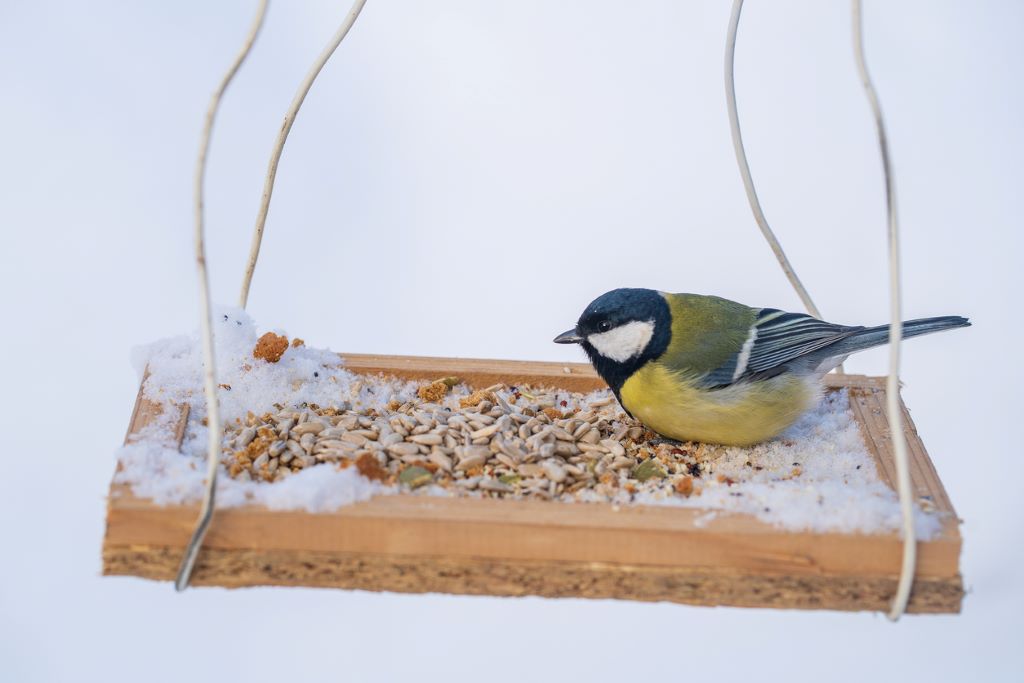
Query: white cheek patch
column 625, row 341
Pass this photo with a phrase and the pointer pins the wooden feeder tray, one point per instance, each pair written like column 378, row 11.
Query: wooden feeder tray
column 419, row 544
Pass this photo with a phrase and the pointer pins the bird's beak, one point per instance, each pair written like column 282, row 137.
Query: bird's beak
column 568, row 337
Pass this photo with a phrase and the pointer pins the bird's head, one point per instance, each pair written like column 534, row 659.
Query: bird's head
column 621, row 330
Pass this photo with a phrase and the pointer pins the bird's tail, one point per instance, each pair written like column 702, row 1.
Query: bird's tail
column 876, row 336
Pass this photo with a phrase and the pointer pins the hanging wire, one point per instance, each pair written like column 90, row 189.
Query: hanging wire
column 741, row 159
column 899, row 442
column 215, row 435
column 895, row 416
column 205, row 321
column 286, row 127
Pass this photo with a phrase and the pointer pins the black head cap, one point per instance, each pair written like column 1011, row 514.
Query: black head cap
column 613, row 310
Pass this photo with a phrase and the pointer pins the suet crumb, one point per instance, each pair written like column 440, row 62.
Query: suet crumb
column 270, row 347
column 370, row 468
column 437, row 390
column 475, row 398
column 684, row 486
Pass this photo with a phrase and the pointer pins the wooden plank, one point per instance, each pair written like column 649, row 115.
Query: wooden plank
column 147, row 412
column 867, row 400
column 243, row 567
column 507, row 547
column 478, row 372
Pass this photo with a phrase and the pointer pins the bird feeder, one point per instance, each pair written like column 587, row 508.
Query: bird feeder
column 419, row 544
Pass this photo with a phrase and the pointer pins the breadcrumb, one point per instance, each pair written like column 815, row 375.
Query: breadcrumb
column 553, row 413
column 433, row 392
column 684, row 486
column 370, row 468
column 270, row 347
column 475, row 398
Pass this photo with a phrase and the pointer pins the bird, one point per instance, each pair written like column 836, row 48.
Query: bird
column 694, row 367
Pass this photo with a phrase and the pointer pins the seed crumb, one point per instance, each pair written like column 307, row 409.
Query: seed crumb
column 553, row 413
column 370, row 468
column 437, row 390
column 270, row 347
column 685, row 486
column 475, row 398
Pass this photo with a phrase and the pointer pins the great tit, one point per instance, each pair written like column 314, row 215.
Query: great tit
column 703, row 368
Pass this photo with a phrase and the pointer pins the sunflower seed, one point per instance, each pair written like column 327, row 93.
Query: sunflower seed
column 440, row 459
column 613, row 446
column 307, row 441
column 530, row 470
column 348, row 422
column 485, row 432
column 354, row 438
column 494, row 485
column 561, row 434
column 574, row 471
column 620, row 462
column 554, row 471
column 565, row 448
column 308, row 428
column 470, row 460
column 390, row 439
column 505, row 460
column 245, row 437
column 284, row 427
column 329, row 455
column 333, row 444
column 400, row 449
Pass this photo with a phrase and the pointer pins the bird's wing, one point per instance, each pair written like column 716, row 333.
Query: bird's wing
column 776, row 339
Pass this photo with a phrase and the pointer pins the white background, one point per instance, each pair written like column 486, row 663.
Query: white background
column 464, row 178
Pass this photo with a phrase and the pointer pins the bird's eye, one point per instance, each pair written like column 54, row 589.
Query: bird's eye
column 604, row 326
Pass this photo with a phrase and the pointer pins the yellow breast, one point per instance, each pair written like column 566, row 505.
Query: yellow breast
column 739, row 415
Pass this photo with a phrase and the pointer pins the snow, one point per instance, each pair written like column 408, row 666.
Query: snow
column 303, row 375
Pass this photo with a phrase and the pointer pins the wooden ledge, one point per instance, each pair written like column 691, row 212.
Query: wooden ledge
column 415, row 544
